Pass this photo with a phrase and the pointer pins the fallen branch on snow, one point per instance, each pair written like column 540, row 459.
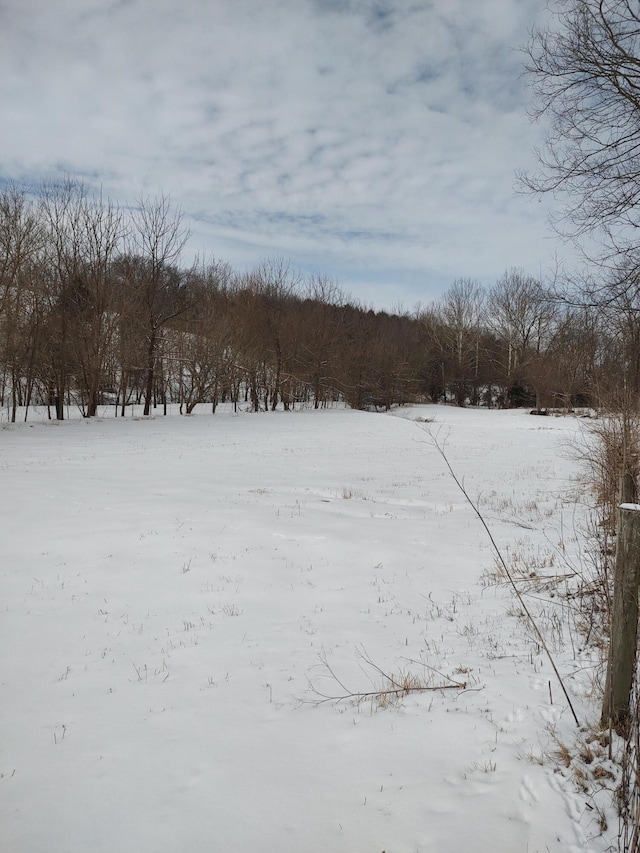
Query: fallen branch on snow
column 393, row 688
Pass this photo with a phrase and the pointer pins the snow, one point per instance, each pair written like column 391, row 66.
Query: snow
column 174, row 591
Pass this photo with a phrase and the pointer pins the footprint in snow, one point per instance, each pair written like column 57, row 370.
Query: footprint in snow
column 528, row 791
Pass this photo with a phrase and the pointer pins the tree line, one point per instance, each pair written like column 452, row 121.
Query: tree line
column 96, row 306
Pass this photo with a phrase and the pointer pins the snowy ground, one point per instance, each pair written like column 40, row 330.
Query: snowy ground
column 170, row 588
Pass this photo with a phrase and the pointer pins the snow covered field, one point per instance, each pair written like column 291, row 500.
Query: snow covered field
column 174, row 591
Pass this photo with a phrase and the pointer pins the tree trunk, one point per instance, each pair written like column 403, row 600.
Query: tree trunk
column 92, row 402
column 151, row 354
column 59, row 402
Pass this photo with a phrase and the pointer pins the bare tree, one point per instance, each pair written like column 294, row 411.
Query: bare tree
column 318, row 346
column 21, row 251
column 585, row 69
column 204, row 338
column 64, row 290
column 520, row 314
column 461, row 313
column 567, row 371
column 85, row 235
column 274, row 286
column 585, row 72
column 158, row 236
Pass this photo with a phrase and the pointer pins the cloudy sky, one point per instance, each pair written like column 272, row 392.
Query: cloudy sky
column 374, row 141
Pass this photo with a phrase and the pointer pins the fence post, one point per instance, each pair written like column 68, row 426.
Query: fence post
column 624, row 617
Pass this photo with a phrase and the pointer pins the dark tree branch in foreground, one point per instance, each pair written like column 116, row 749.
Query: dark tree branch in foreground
column 585, row 71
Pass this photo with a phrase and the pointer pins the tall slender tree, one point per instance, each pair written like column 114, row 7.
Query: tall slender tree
column 157, row 238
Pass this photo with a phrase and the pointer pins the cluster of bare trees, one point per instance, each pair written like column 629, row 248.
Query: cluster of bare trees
column 96, row 307
column 519, row 344
column 77, row 301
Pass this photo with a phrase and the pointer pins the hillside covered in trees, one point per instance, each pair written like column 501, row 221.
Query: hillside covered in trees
column 97, row 306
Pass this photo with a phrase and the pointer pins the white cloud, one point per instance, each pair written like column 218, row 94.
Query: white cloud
column 376, row 141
